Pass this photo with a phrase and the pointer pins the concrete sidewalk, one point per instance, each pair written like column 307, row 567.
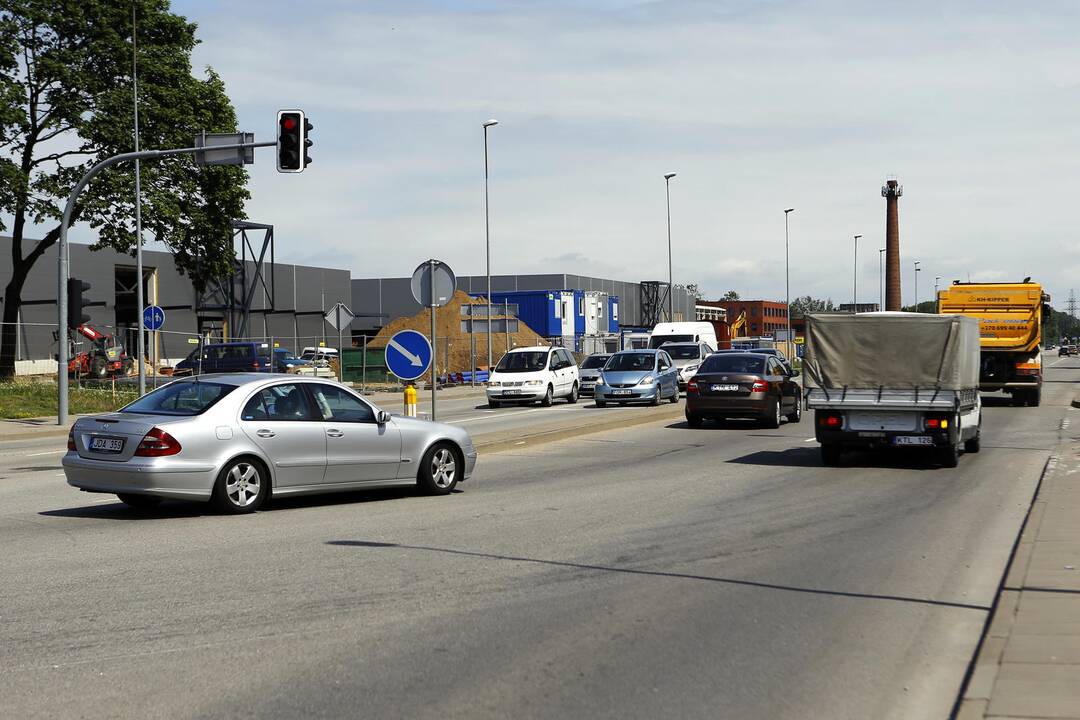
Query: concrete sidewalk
column 1028, row 665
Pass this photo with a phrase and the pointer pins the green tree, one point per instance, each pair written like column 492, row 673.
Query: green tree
column 66, row 102
column 806, row 304
column 730, row 295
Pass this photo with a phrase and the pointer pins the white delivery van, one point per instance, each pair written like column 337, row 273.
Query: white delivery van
column 683, row 332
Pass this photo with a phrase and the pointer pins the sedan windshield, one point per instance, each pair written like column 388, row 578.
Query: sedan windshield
column 528, row 361
column 683, row 352
column 747, row 364
column 180, row 398
column 594, row 361
column 624, row 362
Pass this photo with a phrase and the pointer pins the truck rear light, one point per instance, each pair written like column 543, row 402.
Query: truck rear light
column 937, row 423
column 1028, row 368
column 157, row 443
column 71, row 439
column 760, row 386
column 831, row 421
column 255, row 365
column 692, row 386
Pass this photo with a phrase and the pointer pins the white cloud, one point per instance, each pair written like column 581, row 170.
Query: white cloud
column 757, row 106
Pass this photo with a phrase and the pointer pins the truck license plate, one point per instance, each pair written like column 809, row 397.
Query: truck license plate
column 107, row 444
column 913, row 440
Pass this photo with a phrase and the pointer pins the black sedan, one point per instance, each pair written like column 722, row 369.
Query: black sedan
column 753, row 385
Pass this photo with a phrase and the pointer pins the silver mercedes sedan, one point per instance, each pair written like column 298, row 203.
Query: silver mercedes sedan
column 236, row 440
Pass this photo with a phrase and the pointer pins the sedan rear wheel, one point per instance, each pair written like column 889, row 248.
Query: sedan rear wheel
column 242, row 487
column 440, row 469
column 796, row 414
column 772, row 418
column 693, row 420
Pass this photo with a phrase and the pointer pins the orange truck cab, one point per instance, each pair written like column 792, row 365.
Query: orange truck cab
column 1011, row 316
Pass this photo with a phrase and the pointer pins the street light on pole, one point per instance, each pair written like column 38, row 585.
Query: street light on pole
column 787, row 274
column 670, row 289
column 881, row 277
column 936, row 279
column 487, row 237
column 855, row 282
column 917, row 271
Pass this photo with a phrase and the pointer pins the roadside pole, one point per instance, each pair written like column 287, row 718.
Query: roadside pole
column 340, row 349
column 434, row 352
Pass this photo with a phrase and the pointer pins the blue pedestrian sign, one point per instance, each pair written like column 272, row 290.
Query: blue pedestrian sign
column 153, row 317
column 408, row 354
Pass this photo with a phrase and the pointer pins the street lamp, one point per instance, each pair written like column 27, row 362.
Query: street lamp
column 881, row 277
column 855, row 283
column 487, row 237
column 935, row 288
column 917, row 271
column 787, row 276
column 670, row 294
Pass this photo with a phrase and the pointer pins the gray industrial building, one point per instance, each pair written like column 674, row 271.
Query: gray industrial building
column 287, row 301
column 383, row 299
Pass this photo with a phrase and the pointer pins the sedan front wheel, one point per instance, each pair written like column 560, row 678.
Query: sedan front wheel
column 440, row 469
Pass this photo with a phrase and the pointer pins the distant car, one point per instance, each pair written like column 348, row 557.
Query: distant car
column 319, row 355
column 529, row 374
column 637, row 376
column 745, row 384
column 687, row 358
column 764, row 351
column 285, row 361
column 589, row 371
column 1065, row 350
column 229, row 357
column 236, row 440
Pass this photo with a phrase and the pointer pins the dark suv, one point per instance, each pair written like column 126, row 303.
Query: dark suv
column 226, row 358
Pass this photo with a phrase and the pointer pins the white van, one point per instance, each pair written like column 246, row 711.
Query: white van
column 683, row 332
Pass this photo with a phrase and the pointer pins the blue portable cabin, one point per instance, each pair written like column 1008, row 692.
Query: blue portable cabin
column 579, row 312
column 613, row 314
column 541, row 310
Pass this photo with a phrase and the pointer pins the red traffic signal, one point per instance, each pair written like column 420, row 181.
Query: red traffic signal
column 292, row 141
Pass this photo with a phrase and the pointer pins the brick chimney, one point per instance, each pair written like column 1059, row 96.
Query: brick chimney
column 891, row 191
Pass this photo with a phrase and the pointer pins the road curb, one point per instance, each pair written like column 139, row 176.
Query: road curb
column 1076, row 401
column 490, row 443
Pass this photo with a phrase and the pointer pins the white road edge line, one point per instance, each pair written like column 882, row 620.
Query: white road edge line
column 50, row 452
column 809, row 439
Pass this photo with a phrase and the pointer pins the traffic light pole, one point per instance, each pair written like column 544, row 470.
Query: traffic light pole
column 62, row 255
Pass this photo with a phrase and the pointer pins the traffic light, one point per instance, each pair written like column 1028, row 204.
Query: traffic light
column 75, row 314
column 292, row 141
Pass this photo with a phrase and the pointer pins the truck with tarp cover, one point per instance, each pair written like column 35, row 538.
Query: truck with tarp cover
column 893, row 379
column 1011, row 317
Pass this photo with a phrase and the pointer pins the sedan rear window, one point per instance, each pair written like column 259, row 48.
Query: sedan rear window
column 180, row 398
column 733, row 364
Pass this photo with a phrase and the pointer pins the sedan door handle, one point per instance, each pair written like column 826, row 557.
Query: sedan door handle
column 265, row 433
column 334, row 432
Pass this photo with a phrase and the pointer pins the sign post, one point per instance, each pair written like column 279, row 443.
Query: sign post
column 339, row 316
column 433, row 284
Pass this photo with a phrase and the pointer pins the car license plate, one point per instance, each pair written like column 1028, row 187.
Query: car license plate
column 724, row 388
column 621, row 392
column 913, row 440
column 106, row 444
column 511, row 392
column 587, row 383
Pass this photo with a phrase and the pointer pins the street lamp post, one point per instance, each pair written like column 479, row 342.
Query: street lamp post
column 855, row 279
column 917, row 271
column 881, row 277
column 670, row 289
column 936, row 279
column 487, row 237
column 787, row 276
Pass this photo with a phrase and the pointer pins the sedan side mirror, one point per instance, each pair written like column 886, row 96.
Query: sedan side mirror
column 382, row 417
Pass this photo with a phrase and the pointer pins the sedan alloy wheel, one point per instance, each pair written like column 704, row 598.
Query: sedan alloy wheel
column 242, row 487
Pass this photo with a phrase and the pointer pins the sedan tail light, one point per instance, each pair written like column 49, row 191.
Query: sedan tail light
column 760, row 386
column 157, row 443
column 692, row 386
column 255, row 365
column 71, row 439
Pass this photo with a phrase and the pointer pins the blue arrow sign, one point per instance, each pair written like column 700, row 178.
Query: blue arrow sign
column 153, row 317
column 408, row 354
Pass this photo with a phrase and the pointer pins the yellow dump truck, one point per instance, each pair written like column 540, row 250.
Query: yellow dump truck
column 1011, row 317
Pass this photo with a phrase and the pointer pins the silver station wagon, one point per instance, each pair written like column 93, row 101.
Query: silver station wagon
column 236, row 440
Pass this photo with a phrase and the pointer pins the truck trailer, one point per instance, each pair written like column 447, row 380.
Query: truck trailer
column 1011, row 317
column 893, row 380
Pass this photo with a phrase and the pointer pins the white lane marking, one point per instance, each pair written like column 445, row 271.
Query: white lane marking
column 809, row 439
column 50, row 452
column 106, row 500
column 491, row 417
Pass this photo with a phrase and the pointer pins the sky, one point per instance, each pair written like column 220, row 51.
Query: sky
column 757, row 105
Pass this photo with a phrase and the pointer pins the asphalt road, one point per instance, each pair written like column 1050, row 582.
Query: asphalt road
column 649, row 572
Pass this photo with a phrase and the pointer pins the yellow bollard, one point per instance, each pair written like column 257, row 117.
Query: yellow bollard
column 410, row 400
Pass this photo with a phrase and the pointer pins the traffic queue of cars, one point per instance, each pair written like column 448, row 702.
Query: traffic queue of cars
column 236, row 438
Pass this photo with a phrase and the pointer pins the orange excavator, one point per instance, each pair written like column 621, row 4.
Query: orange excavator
column 104, row 358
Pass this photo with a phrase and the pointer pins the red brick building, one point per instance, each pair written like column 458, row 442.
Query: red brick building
column 763, row 317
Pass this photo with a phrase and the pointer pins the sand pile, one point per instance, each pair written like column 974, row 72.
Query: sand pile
column 453, row 345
